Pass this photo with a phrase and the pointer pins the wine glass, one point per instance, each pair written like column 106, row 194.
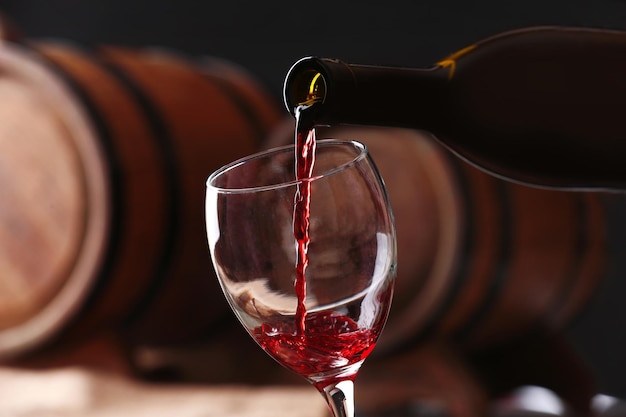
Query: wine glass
column 351, row 266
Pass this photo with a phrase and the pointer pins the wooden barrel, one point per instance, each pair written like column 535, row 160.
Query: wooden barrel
column 104, row 155
column 480, row 260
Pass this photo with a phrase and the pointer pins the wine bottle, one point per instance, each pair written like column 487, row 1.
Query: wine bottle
column 543, row 106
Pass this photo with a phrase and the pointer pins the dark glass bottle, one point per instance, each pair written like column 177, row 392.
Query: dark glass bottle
column 544, row 106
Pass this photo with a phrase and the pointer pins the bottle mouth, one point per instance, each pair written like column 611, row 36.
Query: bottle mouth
column 304, row 85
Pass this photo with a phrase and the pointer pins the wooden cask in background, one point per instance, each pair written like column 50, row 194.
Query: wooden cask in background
column 103, row 160
column 481, row 261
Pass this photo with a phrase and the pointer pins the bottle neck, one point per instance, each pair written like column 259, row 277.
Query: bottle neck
column 366, row 95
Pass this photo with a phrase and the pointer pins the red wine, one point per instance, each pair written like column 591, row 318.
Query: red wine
column 304, row 161
column 541, row 106
column 331, row 349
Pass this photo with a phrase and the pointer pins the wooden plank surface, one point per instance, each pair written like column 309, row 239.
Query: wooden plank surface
column 74, row 392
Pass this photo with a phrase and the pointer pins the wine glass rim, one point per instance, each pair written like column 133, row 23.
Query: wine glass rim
column 362, row 153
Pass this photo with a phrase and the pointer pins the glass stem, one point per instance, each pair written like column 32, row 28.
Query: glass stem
column 340, row 398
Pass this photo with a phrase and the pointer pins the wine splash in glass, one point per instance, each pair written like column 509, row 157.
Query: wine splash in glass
column 303, row 242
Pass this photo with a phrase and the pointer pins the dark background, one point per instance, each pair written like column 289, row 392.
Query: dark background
column 266, row 37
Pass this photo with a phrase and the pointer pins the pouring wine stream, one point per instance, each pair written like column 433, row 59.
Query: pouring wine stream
column 338, row 395
column 304, row 161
